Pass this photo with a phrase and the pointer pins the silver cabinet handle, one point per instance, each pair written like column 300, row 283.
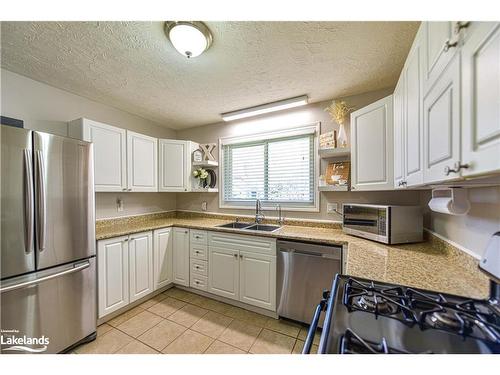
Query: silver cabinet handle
column 124, row 189
column 456, row 168
column 45, row 278
column 241, row 256
column 42, row 214
column 129, row 189
column 448, row 45
column 461, row 25
column 29, row 203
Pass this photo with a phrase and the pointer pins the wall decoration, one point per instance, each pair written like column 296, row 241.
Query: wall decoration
column 337, row 173
column 328, row 140
column 197, row 156
column 207, row 149
column 338, row 111
column 201, row 175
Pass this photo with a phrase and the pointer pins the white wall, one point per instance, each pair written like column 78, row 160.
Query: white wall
column 472, row 231
column 46, row 108
column 282, row 120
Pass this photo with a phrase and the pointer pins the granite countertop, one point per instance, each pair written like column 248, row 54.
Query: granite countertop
column 432, row 265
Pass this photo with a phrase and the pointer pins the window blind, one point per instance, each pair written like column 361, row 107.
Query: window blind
column 278, row 170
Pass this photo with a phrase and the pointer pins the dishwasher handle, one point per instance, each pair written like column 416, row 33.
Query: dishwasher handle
column 314, row 324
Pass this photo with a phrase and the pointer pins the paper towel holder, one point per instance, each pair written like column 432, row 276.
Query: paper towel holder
column 458, row 201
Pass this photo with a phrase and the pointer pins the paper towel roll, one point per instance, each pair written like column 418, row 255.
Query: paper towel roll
column 447, row 205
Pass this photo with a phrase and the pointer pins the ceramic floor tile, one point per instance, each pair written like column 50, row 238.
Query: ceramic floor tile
column 190, row 342
column 108, row 343
column 136, row 347
column 212, row 324
column 219, row 347
column 297, row 349
column 247, row 316
column 283, row 326
column 303, row 334
column 152, row 301
column 166, row 307
column 115, row 322
column 162, row 334
column 213, row 305
column 182, row 295
column 240, row 334
column 103, row 328
column 188, row 315
column 270, row 342
column 140, row 323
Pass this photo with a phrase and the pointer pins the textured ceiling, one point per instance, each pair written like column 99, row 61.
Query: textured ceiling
column 132, row 66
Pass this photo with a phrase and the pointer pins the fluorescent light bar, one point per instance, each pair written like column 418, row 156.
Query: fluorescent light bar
column 265, row 108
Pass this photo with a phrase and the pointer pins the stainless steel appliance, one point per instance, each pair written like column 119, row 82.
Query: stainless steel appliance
column 365, row 316
column 304, row 270
column 48, row 267
column 384, row 223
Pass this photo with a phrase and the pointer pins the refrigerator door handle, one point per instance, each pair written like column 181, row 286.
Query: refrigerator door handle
column 71, row 269
column 41, row 197
column 29, row 203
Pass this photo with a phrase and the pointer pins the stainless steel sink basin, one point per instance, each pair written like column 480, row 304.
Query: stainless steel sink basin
column 235, row 225
column 263, row 227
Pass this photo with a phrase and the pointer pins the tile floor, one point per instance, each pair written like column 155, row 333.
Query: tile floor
column 181, row 322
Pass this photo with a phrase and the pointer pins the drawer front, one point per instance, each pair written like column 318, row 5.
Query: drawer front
column 199, row 282
column 199, row 267
column 251, row 243
column 199, row 237
column 199, row 252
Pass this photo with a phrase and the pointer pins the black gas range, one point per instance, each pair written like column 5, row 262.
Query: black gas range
column 365, row 316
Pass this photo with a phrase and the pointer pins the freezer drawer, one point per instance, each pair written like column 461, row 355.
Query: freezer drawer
column 58, row 303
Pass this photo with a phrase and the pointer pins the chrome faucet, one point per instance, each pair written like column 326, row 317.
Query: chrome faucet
column 281, row 219
column 258, row 212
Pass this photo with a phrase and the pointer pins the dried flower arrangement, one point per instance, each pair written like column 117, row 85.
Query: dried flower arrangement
column 338, row 110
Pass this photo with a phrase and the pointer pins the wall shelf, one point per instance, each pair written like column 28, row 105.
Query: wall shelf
column 334, row 152
column 207, row 190
column 333, row 188
column 206, row 164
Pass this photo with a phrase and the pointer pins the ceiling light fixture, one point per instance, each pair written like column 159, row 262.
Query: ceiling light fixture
column 189, row 38
column 265, row 108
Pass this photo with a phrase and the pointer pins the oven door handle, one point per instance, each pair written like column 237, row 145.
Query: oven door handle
column 315, row 321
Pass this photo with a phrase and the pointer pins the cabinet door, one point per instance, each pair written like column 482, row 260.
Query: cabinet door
column 436, row 54
column 481, row 99
column 110, row 153
column 223, row 272
column 113, row 274
column 173, row 165
column 442, row 125
column 142, row 162
column 140, row 265
column 163, row 257
column 414, row 130
column 399, row 125
column 372, row 146
column 181, row 256
column 258, row 280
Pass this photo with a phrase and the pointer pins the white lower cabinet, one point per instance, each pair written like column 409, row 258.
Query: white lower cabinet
column 163, row 257
column 223, row 276
column 181, row 256
column 258, row 279
column 140, row 248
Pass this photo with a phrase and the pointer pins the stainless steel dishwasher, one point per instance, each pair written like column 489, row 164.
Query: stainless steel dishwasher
column 304, row 271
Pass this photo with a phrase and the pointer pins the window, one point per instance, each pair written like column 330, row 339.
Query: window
column 274, row 167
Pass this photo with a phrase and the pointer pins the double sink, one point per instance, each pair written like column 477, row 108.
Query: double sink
column 251, row 226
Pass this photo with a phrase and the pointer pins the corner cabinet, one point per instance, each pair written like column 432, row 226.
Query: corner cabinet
column 142, row 162
column 181, row 256
column 372, row 146
column 163, row 257
column 175, row 165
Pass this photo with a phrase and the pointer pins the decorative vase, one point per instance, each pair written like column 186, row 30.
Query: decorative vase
column 341, row 136
column 201, row 183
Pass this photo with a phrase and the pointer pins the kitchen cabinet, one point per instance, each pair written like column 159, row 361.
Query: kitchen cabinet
column 142, row 162
column 223, row 275
column 258, row 279
column 163, row 257
column 442, row 125
column 180, row 269
column 481, row 99
column 175, row 165
column 372, row 146
column 399, row 139
column 140, row 247
column 110, row 152
column 113, row 274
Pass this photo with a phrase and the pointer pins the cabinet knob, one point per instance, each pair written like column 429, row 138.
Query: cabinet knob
column 124, row 189
column 235, row 255
column 456, row 168
column 448, row 45
column 353, row 187
column 185, row 231
column 461, row 25
column 241, row 256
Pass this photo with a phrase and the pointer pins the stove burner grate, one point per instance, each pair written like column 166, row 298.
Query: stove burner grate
column 351, row 343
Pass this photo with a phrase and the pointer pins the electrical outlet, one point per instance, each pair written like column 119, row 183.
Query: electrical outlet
column 203, row 206
column 331, row 208
column 119, row 204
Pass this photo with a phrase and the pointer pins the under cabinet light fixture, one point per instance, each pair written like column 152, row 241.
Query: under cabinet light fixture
column 265, row 108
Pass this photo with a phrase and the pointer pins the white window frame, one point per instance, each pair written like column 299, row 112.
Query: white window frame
column 313, row 128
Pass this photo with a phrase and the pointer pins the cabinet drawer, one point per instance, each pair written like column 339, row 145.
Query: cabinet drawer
column 199, row 252
column 199, row 282
column 242, row 242
column 199, row 267
column 199, row 237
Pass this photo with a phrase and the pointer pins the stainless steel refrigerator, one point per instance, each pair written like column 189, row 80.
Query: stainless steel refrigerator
column 48, row 265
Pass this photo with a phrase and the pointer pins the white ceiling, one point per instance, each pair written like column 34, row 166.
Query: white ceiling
column 132, row 66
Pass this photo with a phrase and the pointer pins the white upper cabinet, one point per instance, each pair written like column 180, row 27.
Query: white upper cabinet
column 142, row 162
column 173, row 165
column 399, row 125
column 140, row 247
column 481, row 99
column 372, row 146
column 110, row 152
column 163, row 257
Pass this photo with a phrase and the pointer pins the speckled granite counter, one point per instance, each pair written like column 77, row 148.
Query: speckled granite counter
column 433, row 265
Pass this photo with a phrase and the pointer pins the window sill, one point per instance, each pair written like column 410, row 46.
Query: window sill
column 270, row 208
